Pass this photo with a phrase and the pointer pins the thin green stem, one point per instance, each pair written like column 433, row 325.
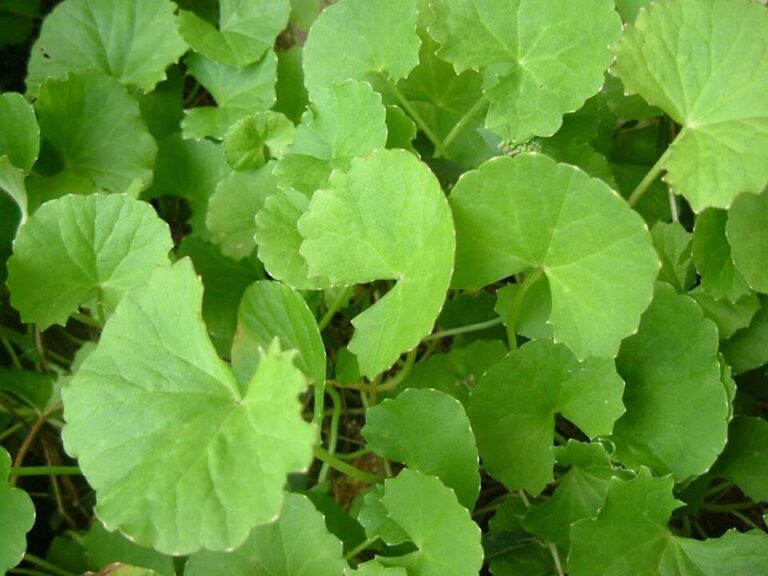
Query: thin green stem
column 517, row 304
column 337, row 464
column 463, row 329
column 360, row 548
column 46, row 471
column 12, row 353
column 100, row 314
column 333, row 434
column 556, row 558
column 354, row 455
column 717, row 488
column 414, row 114
column 649, row 179
column 462, row 123
column 727, row 508
column 745, row 520
column 28, row 572
column 494, row 505
column 398, row 378
column 87, row 320
column 334, row 307
column 45, row 565
column 11, row 431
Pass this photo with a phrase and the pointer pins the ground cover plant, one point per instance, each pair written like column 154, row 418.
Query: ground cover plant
column 392, row 287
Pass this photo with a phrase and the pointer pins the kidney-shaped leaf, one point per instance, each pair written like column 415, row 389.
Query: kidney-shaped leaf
column 179, row 457
column 447, row 539
column 428, row 431
column 630, row 536
column 747, row 233
column 513, row 214
column 297, row 544
column 704, row 64
column 513, row 408
column 18, row 516
column 362, row 40
column 677, row 409
column 386, row 218
column 547, row 58
column 84, row 251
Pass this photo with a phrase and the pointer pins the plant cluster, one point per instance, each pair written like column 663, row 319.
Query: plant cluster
column 385, row 288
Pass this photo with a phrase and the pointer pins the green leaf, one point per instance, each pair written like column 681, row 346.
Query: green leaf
column 673, row 245
column 513, row 408
column 532, row 320
column 232, row 209
column 34, row 388
column 104, row 548
column 456, row 372
column 12, row 183
column 270, row 310
column 745, row 458
column 630, row 536
column 401, row 131
column 19, row 132
column 246, row 29
column 713, row 258
column 513, row 214
column 730, row 317
column 254, row 139
column 747, row 233
column 544, row 57
column 163, row 108
column 386, row 218
column 428, row 431
column 628, row 107
column 361, row 40
column 207, row 461
column 677, row 411
column 344, row 121
column 290, row 92
column 18, row 514
column 375, row 520
column 94, row 130
column 448, row 540
column 747, row 349
column 375, row 568
column 225, row 282
column 189, row 170
column 579, row 494
column 238, row 92
column 84, row 251
column 509, row 549
column 296, row 544
column 702, row 64
column 134, row 41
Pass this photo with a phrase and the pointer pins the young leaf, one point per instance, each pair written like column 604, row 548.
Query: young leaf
column 361, row 40
column 745, row 458
column 19, row 132
column 344, row 121
column 104, row 548
column 747, row 233
column 253, row 140
column 84, row 251
column 579, row 494
column 730, row 317
column 95, row 129
column 207, row 462
column 713, row 257
column 279, row 241
column 134, row 41
column 630, row 536
column 513, row 214
column 232, row 209
column 246, row 29
column 677, row 411
column 238, row 92
column 702, row 63
column 544, row 57
column 18, row 514
column 447, row 539
column 270, row 310
column 673, row 245
column 513, row 408
column 428, row 431
column 509, row 549
column 296, row 544
column 386, row 218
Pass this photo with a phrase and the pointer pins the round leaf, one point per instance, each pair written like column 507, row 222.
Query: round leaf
column 387, row 219
column 84, row 251
column 677, row 410
column 18, row 514
column 133, row 41
column 208, row 461
column 428, row 431
column 545, row 56
column 513, row 214
column 296, row 544
column 703, row 64
column 747, row 233
column 95, row 128
column 247, row 142
column 513, row 408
